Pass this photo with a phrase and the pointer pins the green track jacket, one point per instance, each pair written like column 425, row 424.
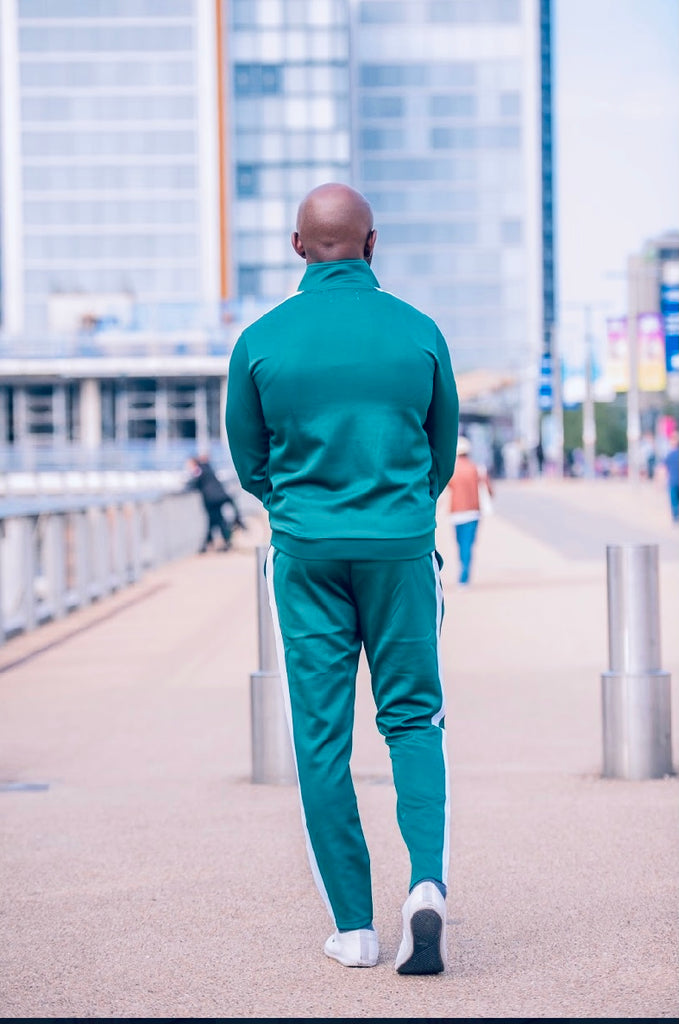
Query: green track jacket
column 342, row 418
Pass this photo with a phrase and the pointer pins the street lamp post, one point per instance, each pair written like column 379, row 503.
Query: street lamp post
column 638, row 271
column 588, row 412
column 557, row 401
column 588, row 419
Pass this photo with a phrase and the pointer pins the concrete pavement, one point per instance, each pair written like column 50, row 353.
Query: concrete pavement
column 145, row 875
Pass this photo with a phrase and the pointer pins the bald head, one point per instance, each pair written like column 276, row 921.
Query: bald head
column 334, row 222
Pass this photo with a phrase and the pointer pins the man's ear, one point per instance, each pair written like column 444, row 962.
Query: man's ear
column 369, row 245
column 297, row 245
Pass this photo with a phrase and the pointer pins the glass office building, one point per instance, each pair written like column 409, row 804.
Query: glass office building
column 109, row 161
column 153, row 154
column 448, row 150
column 288, row 110
column 440, row 112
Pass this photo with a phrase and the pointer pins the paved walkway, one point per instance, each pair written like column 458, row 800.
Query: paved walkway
column 145, row 875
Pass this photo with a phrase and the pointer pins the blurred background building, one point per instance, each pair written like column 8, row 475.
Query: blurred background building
column 110, row 230
column 110, row 173
column 152, row 157
column 659, row 295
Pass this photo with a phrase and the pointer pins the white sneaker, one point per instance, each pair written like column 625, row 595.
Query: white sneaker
column 358, row 948
column 423, row 946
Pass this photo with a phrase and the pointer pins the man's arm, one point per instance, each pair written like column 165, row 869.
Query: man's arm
column 443, row 417
column 245, row 428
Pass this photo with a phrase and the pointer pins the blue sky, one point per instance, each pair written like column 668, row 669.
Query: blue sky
column 616, row 67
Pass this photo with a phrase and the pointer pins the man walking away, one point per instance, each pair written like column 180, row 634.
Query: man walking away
column 341, row 407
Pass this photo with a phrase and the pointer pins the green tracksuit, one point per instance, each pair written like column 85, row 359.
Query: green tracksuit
column 342, row 417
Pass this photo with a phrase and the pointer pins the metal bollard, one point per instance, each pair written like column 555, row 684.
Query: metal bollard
column 635, row 692
column 272, row 758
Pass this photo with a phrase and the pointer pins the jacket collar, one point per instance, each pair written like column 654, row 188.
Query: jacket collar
column 338, row 274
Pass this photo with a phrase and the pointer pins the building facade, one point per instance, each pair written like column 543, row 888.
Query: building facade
column 659, row 293
column 448, row 151
column 440, row 112
column 109, row 163
column 287, row 107
column 153, row 154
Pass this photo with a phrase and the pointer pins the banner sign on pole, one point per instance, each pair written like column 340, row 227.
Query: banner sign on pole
column 651, row 349
column 617, row 353
column 669, row 307
column 545, row 392
column 651, row 337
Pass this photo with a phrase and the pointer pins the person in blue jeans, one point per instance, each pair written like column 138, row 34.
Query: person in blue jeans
column 672, row 469
column 465, row 504
column 466, row 535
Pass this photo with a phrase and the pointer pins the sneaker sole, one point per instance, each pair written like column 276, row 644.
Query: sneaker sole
column 352, row 963
column 426, row 927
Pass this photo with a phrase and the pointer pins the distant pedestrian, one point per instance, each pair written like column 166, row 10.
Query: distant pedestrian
column 648, row 455
column 540, row 457
column 215, row 496
column 465, row 504
column 672, row 470
column 498, row 460
column 511, row 456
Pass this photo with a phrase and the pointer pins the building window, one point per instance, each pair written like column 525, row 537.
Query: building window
column 382, row 106
column 391, row 12
column 73, row 411
column 393, row 74
column 60, row 177
column 468, row 11
column 40, row 410
column 511, row 232
column 494, row 136
column 510, row 104
column 108, row 143
column 248, row 281
column 247, row 181
column 389, row 202
column 258, row 79
column 108, row 409
column 105, row 38
column 182, row 409
column 141, row 409
column 504, row 136
column 459, row 169
column 381, row 138
column 213, row 398
column 460, row 233
column 454, row 138
column 105, row 8
column 6, row 433
column 243, row 13
column 451, row 105
column 134, row 72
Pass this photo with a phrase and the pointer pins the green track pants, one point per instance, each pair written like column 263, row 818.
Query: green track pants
column 323, row 612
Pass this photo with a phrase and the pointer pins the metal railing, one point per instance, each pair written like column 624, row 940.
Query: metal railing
column 65, row 554
column 119, row 455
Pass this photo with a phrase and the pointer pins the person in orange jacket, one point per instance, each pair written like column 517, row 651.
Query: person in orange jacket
column 464, row 506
